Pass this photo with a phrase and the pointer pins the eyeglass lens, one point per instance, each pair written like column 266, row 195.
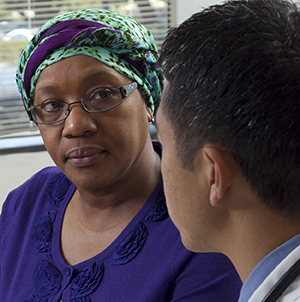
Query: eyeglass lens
column 102, row 99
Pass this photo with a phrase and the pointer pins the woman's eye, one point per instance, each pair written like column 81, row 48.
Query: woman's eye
column 102, row 94
column 52, row 105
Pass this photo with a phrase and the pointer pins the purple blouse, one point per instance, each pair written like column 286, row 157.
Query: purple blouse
column 147, row 261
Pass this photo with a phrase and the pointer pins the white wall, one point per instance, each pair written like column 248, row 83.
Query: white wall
column 185, row 8
column 18, row 167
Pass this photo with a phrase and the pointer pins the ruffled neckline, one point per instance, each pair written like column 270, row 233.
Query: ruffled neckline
column 56, row 253
column 85, row 277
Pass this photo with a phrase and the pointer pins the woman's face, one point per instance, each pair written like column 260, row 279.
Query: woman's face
column 94, row 150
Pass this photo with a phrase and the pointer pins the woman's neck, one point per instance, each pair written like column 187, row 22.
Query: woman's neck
column 122, row 200
column 94, row 220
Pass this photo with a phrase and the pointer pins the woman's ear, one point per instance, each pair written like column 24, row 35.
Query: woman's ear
column 149, row 114
column 220, row 173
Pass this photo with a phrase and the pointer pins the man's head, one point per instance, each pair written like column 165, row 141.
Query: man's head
column 233, row 74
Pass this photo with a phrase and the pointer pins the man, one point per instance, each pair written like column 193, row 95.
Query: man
column 229, row 123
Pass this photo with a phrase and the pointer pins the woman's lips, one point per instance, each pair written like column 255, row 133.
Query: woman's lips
column 84, row 156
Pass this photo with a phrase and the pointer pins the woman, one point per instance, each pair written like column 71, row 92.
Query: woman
column 96, row 228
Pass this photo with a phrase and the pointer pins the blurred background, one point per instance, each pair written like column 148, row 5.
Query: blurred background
column 22, row 152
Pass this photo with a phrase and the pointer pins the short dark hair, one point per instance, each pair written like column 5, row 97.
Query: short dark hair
column 234, row 73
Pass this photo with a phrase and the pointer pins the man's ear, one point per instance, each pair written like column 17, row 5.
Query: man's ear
column 220, row 173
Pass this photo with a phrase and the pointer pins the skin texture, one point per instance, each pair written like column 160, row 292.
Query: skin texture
column 214, row 207
column 187, row 192
column 107, row 155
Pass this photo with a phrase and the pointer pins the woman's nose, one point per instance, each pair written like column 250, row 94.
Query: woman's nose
column 79, row 122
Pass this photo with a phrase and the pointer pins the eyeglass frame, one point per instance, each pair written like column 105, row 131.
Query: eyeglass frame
column 125, row 91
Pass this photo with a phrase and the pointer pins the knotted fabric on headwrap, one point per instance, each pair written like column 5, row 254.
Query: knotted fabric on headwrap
column 114, row 39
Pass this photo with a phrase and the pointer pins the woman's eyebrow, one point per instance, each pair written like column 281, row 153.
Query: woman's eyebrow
column 91, row 76
column 45, row 88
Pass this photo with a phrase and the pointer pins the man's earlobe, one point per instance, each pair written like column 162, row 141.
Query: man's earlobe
column 220, row 173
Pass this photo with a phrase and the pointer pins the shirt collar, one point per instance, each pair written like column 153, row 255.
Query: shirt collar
column 266, row 266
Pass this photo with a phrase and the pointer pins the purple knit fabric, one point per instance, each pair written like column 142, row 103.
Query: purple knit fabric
column 146, row 263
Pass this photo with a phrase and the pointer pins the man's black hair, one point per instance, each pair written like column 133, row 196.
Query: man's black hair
column 234, row 73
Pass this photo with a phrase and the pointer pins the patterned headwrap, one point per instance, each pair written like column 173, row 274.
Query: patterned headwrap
column 114, row 39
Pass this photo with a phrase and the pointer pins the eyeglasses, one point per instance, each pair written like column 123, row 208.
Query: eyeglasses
column 100, row 100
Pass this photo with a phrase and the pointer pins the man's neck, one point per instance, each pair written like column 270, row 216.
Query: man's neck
column 256, row 235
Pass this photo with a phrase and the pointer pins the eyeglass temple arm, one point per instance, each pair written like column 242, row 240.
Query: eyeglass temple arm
column 127, row 89
column 30, row 114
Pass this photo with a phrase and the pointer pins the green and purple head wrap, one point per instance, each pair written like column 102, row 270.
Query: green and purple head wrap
column 114, row 39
